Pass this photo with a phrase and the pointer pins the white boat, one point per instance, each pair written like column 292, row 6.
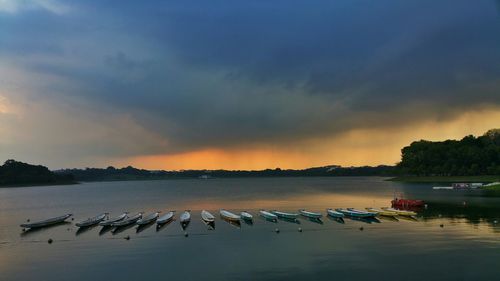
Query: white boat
column 334, row 214
column 46, row 222
column 92, row 221
column 165, row 218
column 109, row 222
column 185, row 217
column 246, row 216
column 311, row 215
column 400, row 212
column 356, row 213
column 229, row 216
column 442, row 187
column 207, row 217
column 268, row 215
column 148, row 219
column 285, row 215
column 128, row 221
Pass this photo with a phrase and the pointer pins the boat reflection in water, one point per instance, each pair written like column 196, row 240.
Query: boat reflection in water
column 85, row 229
column 234, row 223
column 143, row 227
column 318, row 221
column 120, row 229
column 289, row 220
column 163, row 225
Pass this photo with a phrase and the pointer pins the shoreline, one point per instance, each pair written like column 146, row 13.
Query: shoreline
column 445, row 179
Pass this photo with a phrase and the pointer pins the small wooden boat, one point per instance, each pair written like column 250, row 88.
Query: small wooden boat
column 185, row 217
column 47, row 222
column 165, row 218
column 207, row 217
column 246, row 216
column 92, row 221
column 127, row 221
column 400, row 212
column 285, row 215
column 148, row 219
column 229, row 216
column 109, row 222
column 356, row 213
column 381, row 212
column 311, row 215
column 268, row 215
column 334, row 214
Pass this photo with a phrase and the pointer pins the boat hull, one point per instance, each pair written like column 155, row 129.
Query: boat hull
column 109, row 222
column 47, row 222
column 290, row 216
column 229, row 216
column 207, row 217
column 165, row 218
column 268, row 215
column 334, row 214
column 310, row 215
column 91, row 221
column 355, row 214
column 148, row 219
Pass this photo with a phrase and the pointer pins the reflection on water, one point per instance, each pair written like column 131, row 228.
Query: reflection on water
column 318, row 250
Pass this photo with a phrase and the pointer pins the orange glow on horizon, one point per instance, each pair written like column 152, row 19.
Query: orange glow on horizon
column 353, row 148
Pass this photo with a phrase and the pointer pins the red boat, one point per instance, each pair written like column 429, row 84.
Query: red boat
column 407, row 203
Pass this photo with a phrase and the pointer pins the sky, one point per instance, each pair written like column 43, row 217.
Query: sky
column 242, row 84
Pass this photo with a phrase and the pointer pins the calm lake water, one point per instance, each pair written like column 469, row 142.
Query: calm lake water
column 467, row 247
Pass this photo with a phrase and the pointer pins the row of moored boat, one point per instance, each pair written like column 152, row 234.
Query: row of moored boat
column 124, row 219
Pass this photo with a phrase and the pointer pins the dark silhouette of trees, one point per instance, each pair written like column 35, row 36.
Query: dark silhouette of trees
column 468, row 156
column 18, row 173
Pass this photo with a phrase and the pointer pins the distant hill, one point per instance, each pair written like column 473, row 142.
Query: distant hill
column 13, row 173
column 131, row 173
column 470, row 156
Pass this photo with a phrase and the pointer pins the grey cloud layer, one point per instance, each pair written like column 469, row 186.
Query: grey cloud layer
column 224, row 73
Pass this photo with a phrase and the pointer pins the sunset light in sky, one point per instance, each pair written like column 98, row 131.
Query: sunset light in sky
column 213, row 85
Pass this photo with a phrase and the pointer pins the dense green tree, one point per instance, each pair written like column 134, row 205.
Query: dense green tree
column 468, row 156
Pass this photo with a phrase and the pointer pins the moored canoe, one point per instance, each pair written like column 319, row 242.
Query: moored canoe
column 46, row 222
column 400, row 212
column 355, row 213
column 309, row 214
column 148, row 219
column 382, row 212
column 228, row 215
column 268, row 215
column 185, row 217
column 207, row 217
column 246, row 216
column 334, row 214
column 92, row 221
column 109, row 222
column 285, row 215
column 128, row 221
column 165, row 218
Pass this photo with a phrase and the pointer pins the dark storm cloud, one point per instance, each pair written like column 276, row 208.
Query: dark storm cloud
column 218, row 73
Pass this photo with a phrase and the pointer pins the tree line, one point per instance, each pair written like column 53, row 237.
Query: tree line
column 468, row 156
